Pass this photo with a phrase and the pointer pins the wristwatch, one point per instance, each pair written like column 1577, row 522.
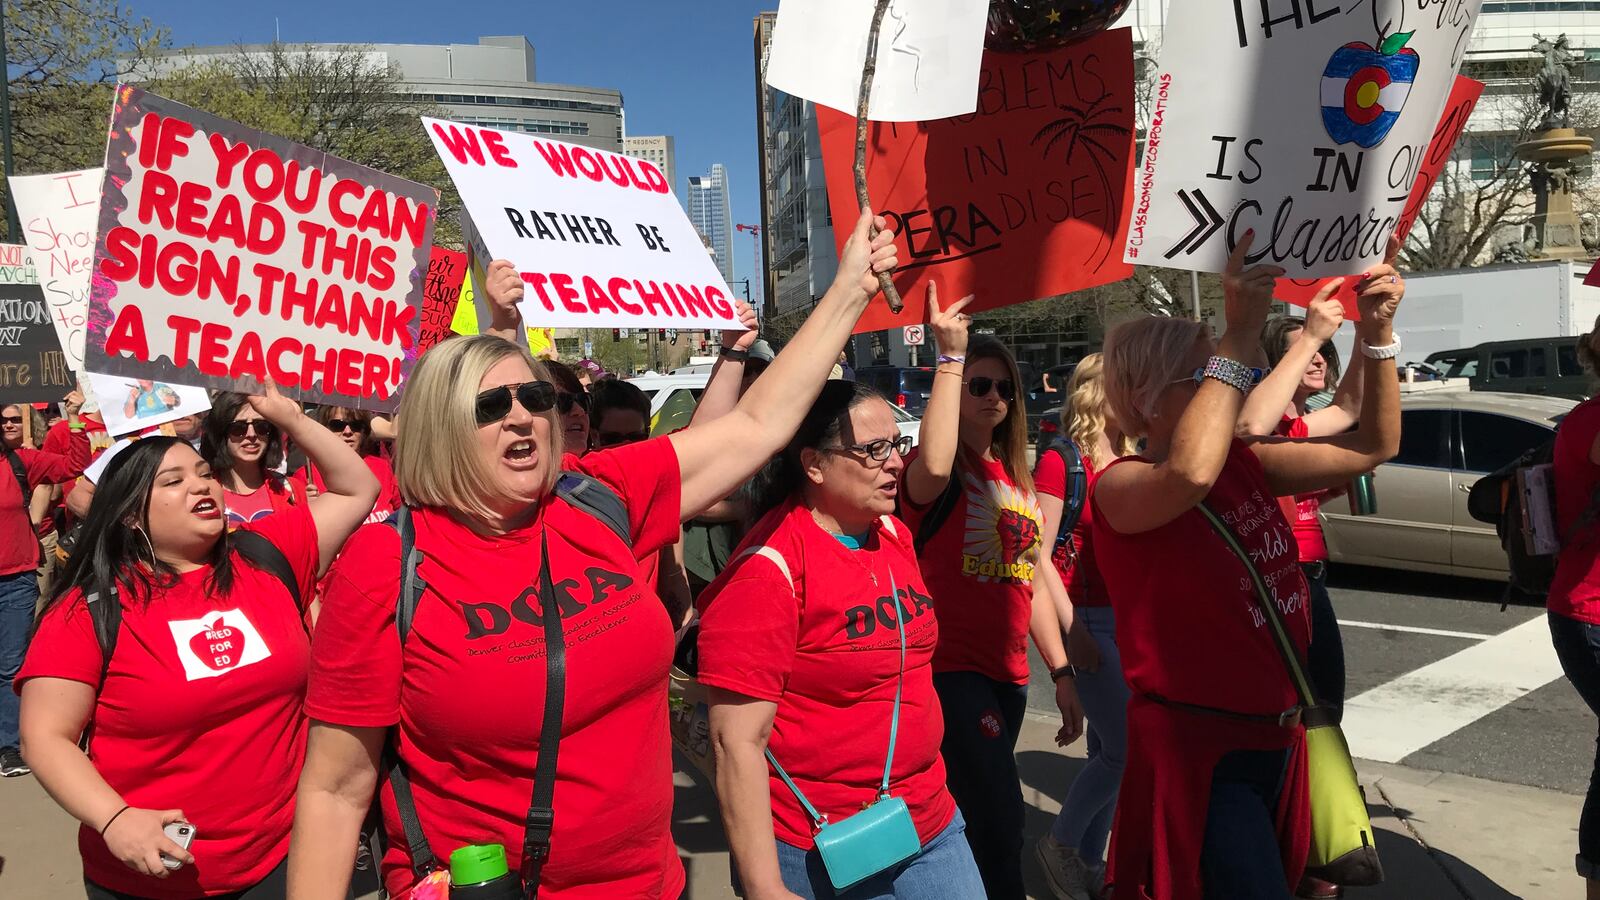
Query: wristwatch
column 1387, row 351
column 1067, row 671
column 736, row 355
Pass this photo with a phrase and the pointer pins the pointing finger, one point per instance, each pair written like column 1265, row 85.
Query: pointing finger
column 1240, row 251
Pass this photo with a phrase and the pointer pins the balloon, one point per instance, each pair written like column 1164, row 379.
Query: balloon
column 1023, row 25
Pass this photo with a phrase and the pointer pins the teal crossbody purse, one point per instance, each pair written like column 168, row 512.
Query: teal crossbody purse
column 882, row 835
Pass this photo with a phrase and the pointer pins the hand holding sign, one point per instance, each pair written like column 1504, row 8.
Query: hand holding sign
column 742, row 340
column 866, row 254
column 504, row 288
column 1378, row 293
column 949, row 325
column 1247, row 294
column 1325, row 314
column 273, row 405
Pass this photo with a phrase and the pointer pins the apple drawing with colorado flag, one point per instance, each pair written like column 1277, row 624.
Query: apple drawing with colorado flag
column 1365, row 88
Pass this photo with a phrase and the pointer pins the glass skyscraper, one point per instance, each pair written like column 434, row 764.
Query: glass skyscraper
column 708, row 210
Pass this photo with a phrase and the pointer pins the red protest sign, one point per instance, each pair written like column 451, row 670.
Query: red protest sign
column 440, row 291
column 226, row 255
column 1023, row 198
column 1427, row 162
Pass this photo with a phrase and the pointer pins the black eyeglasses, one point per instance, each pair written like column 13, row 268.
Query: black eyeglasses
column 263, row 429
column 982, row 385
column 11, row 420
column 495, row 403
column 881, row 448
column 565, row 402
column 617, row 439
column 359, row 426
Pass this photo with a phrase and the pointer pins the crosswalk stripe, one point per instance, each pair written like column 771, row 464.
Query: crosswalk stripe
column 1396, row 719
column 1412, row 629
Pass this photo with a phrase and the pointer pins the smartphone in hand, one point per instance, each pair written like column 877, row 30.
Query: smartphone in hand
column 182, row 834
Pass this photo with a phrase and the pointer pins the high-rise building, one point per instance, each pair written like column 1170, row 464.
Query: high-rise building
column 492, row 84
column 708, row 210
column 656, row 149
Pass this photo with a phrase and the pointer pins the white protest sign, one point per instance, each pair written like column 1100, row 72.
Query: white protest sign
column 226, row 255
column 1303, row 120
column 128, row 405
column 16, row 266
column 59, row 214
column 929, row 52
column 598, row 237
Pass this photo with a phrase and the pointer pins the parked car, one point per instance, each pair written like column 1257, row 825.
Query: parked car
column 907, row 387
column 673, row 398
column 1547, row 366
column 1449, row 439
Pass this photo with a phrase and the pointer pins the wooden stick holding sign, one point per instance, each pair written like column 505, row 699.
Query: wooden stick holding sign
column 868, row 70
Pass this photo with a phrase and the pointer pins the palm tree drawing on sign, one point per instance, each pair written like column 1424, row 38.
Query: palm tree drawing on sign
column 1096, row 129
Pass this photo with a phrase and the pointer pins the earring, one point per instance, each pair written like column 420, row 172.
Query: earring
column 148, row 545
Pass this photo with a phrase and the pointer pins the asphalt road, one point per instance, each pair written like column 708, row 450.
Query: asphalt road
column 1523, row 724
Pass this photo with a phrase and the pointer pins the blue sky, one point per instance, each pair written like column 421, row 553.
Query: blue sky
column 685, row 67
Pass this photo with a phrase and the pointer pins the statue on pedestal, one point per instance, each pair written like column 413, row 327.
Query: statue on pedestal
column 1555, row 80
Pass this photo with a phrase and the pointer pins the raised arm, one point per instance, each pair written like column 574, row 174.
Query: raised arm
column 1265, row 406
column 720, row 455
column 722, row 390
column 337, row 784
column 940, row 436
column 1299, row 467
column 1136, row 497
column 350, row 487
column 502, row 284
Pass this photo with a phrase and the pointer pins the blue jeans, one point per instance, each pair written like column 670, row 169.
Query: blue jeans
column 944, row 870
column 18, row 595
column 982, row 720
column 1240, row 858
column 1578, row 647
column 1085, row 819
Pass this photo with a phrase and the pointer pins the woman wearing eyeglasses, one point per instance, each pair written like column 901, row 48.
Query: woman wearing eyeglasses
column 244, row 451
column 354, row 427
column 967, row 492
column 196, row 707
column 479, row 459
column 572, row 406
column 801, row 645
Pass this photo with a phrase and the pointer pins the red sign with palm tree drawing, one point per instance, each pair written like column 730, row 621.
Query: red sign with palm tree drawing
column 1022, row 199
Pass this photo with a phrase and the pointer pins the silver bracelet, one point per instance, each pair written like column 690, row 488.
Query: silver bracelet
column 1232, row 373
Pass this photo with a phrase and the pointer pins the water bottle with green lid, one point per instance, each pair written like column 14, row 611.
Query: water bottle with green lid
column 480, row 872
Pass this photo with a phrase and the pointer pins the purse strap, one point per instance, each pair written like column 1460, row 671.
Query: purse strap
column 818, row 819
column 541, row 818
column 1269, row 608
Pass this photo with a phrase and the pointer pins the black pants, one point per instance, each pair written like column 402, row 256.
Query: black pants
column 273, row 887
column 1578, row 647
column 1240, row 859
column 1326, row 656
column 982, row 720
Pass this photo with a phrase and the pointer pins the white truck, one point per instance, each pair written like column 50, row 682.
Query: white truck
column 1457, row 308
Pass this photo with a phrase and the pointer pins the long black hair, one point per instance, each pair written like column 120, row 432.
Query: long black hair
column 113, row 549
column 214, row 446
column 785, row 475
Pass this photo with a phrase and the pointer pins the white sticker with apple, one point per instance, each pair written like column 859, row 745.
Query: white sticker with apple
column 217, row 643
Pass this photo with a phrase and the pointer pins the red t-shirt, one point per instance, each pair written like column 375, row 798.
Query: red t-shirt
column 388, row 489
column 1079, row 572
column 1188, row 624
column 200, row 711
column 276, row 494
column 1307, row 527
column 58, row 440
column 979, row 567
column 1575, row 592
column 19, row 540
column 469, row 698
column 826, row 649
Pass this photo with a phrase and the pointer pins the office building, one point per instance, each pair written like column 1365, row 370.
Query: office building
column 707, row 200
column 492, row 84
column 656, row 149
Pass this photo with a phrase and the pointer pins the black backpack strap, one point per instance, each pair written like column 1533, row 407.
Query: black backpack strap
column 411, row 584
column 593, row 496
column 1077, row 489
column 423, row 859
column 541, row 816
column 264, row 554
column 20, row 469
column 105, row 612
column 939, row 513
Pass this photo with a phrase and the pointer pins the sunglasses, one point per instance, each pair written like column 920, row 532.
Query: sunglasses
column 495, row 403
column 565, row 402
column 11, row 420
column 357, row 425
column 983, row 384
column 880, row 449
column 263, row 429
column 617, row 439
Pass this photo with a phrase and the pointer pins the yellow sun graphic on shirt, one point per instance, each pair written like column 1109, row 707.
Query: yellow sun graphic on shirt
column 1002, row 532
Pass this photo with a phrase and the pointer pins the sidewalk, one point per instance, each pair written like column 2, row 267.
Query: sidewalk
column 1442, row 837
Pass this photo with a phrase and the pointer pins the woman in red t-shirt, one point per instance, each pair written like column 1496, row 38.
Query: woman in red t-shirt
column 354, row 427
column 196, row 714
column 572, row 405
column 1073, row 850
column 1574, row 600
column 244, row 451
column 967, row 494
column 1213, row 797
column 787, row 678
column 478, row 457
